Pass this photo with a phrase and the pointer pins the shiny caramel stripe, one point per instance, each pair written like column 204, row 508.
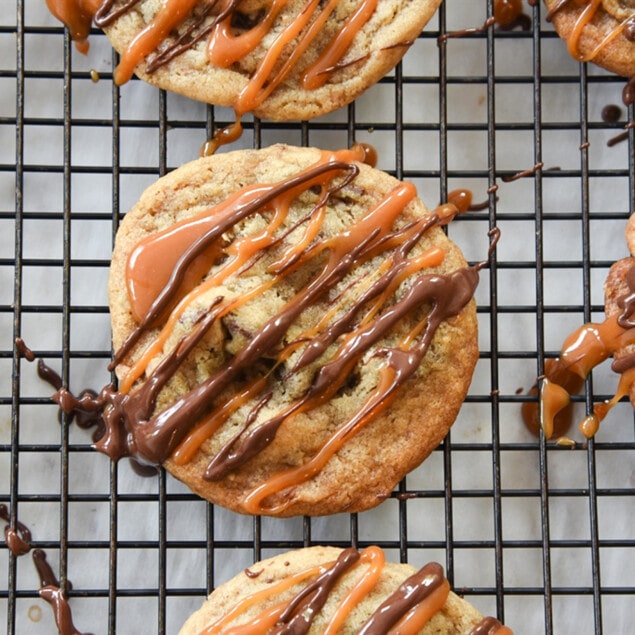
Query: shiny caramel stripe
column 614, row 33
column 168, row 18
column 490, row 626
column 263, row 82
column 261, row 596
column 318, row 74
column 586, row 16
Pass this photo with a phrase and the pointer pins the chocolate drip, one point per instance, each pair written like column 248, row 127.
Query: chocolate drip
column 443, row 38
column 49, row 375
column 523, row 173
column 23, row 350
column 44, row 570
column 611, row 113
column 18, row 542
column 298, row 616
column 412, row 591
column 19, row 539
column 51, row 592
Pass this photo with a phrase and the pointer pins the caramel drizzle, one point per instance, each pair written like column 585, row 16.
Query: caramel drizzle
column 490, row 626
column 405, row 611
column 585, row 348
column 584, row 18
column 224, row 48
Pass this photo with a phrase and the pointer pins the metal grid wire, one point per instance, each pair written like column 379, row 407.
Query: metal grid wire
column 539, row 535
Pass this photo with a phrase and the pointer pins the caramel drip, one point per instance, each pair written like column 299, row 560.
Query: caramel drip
column 263, row 82
column 507, row 11
column 77, row 15
column 612, row 35
column 562, row 419
column 490, row 626
column 260, row 624
column 585, row 348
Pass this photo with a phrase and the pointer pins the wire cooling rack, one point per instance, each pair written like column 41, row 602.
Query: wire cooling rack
column 539, row 535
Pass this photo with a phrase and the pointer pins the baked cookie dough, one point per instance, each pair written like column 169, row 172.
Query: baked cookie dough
column 327, row 590
column 601, row 31
column 280, row 59
column 315, row 350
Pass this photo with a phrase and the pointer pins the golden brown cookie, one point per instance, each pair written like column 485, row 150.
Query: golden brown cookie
column 323, row 590
column 601, row 31
column 325, row 344
column 281, row 59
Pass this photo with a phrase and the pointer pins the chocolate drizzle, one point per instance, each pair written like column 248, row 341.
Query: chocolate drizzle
column 299, row 614
column 487, row 626
column 412, row 591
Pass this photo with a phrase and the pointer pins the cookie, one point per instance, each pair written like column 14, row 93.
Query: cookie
column 316, row 348
column 601, row 31
column 283, row 60
column 326, row 590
